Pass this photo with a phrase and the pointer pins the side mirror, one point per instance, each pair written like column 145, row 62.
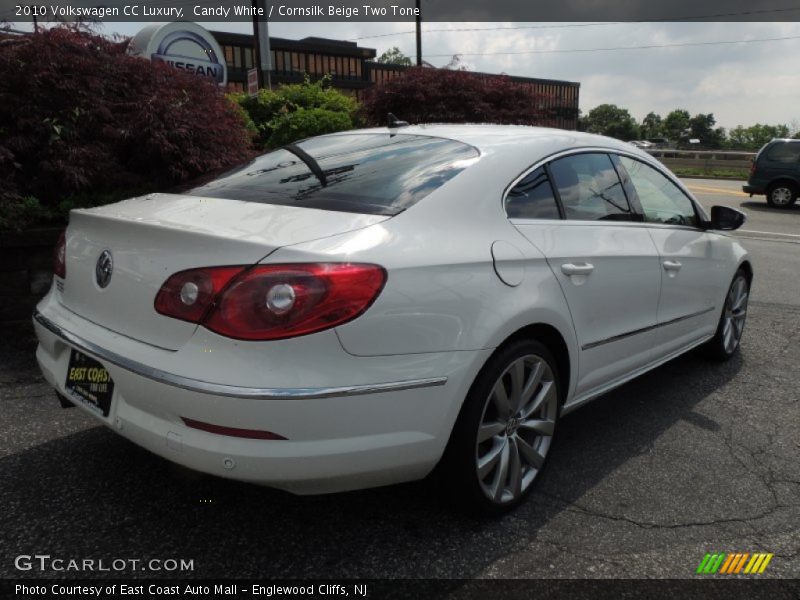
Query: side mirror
column 726, row 219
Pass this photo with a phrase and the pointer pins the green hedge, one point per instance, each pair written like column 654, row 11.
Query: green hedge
column 296, row 111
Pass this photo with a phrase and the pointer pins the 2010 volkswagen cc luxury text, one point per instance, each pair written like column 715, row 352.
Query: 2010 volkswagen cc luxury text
column 358, row 308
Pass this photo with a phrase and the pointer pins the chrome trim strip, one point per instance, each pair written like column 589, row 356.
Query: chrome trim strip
column 615, row 338
column 232, row 391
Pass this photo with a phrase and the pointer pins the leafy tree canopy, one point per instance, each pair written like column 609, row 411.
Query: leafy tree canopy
column 611, row 120
column 394, row 56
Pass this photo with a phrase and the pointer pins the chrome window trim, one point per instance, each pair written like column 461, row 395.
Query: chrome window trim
column 231, row 391
column 648, row 160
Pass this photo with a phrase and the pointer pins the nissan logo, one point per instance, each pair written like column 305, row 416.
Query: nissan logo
column 104, row 268
column 207, row 63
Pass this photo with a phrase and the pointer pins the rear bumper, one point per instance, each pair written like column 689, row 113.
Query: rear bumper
column 753, row 189
column 339, row 437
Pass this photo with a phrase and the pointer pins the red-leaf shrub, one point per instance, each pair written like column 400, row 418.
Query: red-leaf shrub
column 426, row 95
column 83, row 123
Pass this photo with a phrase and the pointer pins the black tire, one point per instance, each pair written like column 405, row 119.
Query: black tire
column 458, row 469
column 718, row 347
column 782, row 194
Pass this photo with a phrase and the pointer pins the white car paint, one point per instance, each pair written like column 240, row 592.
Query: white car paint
column 448, row 303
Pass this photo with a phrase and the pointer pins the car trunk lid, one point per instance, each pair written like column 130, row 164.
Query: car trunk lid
column 151, row 237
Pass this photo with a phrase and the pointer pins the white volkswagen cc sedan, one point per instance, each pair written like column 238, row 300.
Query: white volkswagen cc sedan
column 354, row 309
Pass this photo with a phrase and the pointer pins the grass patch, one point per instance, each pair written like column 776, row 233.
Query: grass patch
column 712, row 173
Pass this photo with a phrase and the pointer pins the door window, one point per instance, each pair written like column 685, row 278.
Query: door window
column 662, row 201
column 590, row 189
column 532, row 198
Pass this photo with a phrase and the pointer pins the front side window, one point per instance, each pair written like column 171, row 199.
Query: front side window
column 590, row 189
column 532, row 198
column 662, row 201
column 375, row 173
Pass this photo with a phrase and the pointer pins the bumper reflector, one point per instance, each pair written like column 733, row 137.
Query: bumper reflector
column 252, row 434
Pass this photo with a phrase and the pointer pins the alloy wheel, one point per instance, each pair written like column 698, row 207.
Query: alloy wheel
column 734, row 314
column 516, row 429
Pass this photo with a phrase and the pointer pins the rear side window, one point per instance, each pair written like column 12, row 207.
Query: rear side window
column 784, row 152
column 380, row 174
column 590, row 188
column 532, row 198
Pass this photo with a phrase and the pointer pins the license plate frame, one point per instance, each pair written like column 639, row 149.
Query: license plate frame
column 89, row 382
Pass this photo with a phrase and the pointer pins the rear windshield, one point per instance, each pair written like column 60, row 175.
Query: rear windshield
column 375, row 173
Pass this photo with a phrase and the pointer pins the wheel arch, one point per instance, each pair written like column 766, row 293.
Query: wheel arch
column 794, row 182
column 748, row 271
column 555, row 342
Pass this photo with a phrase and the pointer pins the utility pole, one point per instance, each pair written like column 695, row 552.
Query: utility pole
column 419, row 34
column 261, row 51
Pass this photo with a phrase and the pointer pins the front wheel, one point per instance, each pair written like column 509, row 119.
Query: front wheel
column 728, row 337
column 505, row 429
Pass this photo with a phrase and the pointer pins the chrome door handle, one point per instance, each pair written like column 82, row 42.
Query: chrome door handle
column 573, row 269
column 672, row 265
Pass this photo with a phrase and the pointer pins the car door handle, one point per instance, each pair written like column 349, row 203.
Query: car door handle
column 672, row 265
column 573, row 269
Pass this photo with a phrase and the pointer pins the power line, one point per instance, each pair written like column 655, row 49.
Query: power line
column 462, row 29
column 647, row 47
column 572, row 25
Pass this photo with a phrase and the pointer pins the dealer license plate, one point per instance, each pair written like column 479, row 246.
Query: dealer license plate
column 89, row 382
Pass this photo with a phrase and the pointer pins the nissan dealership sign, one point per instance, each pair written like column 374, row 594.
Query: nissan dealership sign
column 182, row 45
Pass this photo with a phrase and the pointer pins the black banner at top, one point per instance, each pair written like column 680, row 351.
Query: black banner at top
column 399, row 10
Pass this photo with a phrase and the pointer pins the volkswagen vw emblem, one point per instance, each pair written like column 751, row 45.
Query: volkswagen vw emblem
column 104, row 268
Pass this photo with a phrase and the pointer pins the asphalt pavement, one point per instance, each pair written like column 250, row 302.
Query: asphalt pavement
column 692, row 458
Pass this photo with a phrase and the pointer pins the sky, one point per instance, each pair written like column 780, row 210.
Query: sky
column 741, row 84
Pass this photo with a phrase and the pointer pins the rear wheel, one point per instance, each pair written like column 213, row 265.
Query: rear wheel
column 726, row 341
column 782, row 194
column 505, row 430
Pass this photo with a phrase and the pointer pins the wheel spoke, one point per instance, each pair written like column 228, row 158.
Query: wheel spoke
column 500, row 399
column 741, row 302
column 538, row 426
column 517, row 382
column 530, row 454
column 489, row 430
column 488, row 461
column 531, row 385
column 499, row 483
column 738, row 324
column 546, row 393
column 727, row 338
column 515, row 470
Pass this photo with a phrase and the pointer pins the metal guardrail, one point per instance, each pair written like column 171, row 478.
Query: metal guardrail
column 704, row 159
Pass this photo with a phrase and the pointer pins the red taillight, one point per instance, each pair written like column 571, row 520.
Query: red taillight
column 188, row 295
column 753, row 167
column 271, row 302
column 60, row 256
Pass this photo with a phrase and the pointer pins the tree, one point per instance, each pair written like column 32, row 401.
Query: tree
column 611, row 120
column 394, row 57
column 755, row 136
column 676, row 124
column 652, row 126
column 701, row 127
column 425, row 95
column 83, row 124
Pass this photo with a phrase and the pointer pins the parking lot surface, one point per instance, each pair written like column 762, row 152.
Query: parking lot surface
column 694, row 457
